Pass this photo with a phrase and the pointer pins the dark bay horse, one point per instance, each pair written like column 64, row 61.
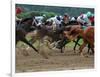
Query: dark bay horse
column 56, row 36
column 47, row 30
column 22, row 28
column 43, row 31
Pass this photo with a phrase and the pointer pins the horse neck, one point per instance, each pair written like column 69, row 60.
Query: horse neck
column 81, row 32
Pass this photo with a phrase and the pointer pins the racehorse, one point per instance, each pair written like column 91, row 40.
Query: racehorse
column 22, row 28
column 65, row 40
column 56, row 34
column 66, row 37
column 87, row 36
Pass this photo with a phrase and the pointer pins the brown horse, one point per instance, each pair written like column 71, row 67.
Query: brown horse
column 87, row 36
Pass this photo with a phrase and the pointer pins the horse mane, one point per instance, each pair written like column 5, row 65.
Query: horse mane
column 26, row 19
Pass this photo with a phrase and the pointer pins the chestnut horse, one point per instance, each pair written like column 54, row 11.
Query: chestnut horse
column 87, row 36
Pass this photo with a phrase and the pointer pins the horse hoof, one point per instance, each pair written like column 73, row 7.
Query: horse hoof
column 86, row 56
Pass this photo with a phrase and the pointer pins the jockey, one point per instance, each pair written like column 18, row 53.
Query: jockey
column 44, row 18
column 91, row 17
column 57, row 21
column 65, row 20
column 84, row 20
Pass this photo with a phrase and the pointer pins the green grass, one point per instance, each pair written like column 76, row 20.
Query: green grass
column 71, row 44
column 36, row 44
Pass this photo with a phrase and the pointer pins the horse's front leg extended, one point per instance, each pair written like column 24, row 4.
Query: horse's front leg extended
column 32, row 41
column 25, row 41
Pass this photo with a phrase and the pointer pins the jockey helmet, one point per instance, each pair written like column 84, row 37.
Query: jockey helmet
column 44, row 15
column 66, row 15
column 89, row 14
column 73, row 19
column 58, row 18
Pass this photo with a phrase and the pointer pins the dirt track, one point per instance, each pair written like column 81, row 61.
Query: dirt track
column 57, row 61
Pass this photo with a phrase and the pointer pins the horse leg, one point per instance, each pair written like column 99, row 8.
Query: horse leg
column 89, row 48
column 62, row 50
column 32, row 40
column 64, row 42
column 92, row 48
column 76, row 43
column 25, row 41
column 81, row 48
